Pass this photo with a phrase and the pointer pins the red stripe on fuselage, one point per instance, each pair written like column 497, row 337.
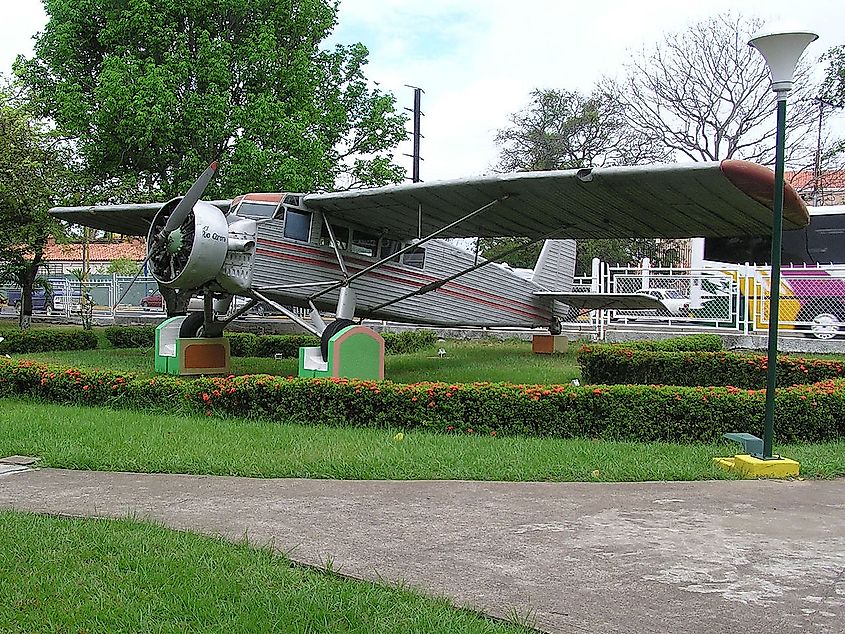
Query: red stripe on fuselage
column 499, row 301
column 452, row 285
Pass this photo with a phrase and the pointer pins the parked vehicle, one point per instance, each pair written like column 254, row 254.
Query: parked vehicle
column 676, row 304
column 41, row 300
column 154, row 300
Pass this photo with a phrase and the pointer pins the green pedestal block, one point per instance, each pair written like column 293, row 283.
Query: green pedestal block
column 186, row 356
column 356, row 352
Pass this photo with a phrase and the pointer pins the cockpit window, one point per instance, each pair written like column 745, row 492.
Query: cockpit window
column 251, row 209
column 297, row 224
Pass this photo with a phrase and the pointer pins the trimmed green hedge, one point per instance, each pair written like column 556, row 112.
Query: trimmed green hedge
column 612, row 364
column 247, row 344
column 687, row 343
column 807, row 413
column 46, row 340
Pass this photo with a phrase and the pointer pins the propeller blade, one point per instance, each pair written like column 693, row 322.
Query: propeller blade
column 190, row 199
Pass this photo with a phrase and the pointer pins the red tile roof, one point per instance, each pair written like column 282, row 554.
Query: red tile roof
column 97, row 251
column 804, row 180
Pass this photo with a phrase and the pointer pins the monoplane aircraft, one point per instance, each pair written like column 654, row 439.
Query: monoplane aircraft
column 381, row 253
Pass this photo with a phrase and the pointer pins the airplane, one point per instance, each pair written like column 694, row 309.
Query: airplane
column 382, row 253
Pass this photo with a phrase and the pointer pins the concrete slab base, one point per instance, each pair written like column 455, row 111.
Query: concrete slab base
column 751, row 467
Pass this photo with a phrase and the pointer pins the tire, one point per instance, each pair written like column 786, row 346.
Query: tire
column 331, row 330
column 192, row 326
column 825, row 326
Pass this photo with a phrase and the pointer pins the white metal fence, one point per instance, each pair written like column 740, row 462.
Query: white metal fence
column 730, row 299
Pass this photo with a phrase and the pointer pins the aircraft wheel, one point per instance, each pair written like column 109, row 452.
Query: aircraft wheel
column 556, row 327
column 825, row 326
column 193, row 326
column 331, row 330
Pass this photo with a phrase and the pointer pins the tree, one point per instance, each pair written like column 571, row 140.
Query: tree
column 123, row 266
column 150, row 93
column 562, row 129
column 32, row 179
column 833, row 85
column 707, row 96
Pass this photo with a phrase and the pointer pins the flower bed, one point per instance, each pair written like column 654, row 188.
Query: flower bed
column 806, row 413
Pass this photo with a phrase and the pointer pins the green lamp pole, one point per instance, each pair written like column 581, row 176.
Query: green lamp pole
column 781, row 51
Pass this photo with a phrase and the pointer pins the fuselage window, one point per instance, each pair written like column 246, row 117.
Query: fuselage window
column 364, row 243
column 415, row 258
column 297, row 224
column 388, row 248
column 341, row 235
column 248, row 209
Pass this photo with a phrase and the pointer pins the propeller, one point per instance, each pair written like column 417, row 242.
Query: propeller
column 174, row 221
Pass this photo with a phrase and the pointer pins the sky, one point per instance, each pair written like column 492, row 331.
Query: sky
column 478, row 60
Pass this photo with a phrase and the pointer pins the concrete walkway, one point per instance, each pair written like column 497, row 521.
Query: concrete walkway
column 645, row 557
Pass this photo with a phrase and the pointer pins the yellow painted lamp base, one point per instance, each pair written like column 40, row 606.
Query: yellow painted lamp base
column 750, row 467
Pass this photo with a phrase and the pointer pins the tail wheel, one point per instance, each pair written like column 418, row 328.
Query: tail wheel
column 331, row 330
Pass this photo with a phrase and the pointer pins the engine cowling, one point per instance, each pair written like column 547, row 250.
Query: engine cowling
column 193, row 253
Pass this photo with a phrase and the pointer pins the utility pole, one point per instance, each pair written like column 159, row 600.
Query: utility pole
column 418, row 114
column 818, row 189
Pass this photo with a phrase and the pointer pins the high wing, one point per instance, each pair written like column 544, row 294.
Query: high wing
column 606, row 301
column 131, row 219
column 727, row 198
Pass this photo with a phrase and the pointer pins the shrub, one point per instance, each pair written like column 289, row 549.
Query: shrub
column 806, row 413
column 46, row 340
column 408, row 341
column 610, row 364
column 687, row 343
column 131, row 336
column 246, row 344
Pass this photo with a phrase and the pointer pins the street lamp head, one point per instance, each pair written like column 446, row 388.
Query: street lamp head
column 781, row 51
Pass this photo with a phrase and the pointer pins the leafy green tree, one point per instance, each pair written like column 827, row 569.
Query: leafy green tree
column 33, row 176
column 561, row 129
column 150, row 93
column 123, row 266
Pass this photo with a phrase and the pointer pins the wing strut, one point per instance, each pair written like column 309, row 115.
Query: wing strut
column 433, row 286
column 404, row 250
column 288, row 313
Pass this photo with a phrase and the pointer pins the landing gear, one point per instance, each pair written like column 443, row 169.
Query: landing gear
column 194, row 327
column 331, row 330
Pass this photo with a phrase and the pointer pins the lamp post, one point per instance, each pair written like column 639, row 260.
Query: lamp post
column 781, row 52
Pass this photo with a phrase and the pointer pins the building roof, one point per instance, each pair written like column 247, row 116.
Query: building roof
column 97, row 251
column 805, row 180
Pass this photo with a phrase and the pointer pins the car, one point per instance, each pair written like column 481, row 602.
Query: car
column 676, row 305
column 154, row 300
column 41, row 300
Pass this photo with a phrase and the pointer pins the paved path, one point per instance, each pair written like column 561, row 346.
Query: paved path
column 644, row 557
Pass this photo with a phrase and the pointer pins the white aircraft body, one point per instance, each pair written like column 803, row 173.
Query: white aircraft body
column 381, row 253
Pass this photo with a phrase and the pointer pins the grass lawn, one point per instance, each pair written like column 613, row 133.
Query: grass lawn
column 70, row 575
column 465, row 362
column 77, row 437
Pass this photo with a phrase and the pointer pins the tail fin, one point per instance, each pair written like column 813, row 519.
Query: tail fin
column 555, row 269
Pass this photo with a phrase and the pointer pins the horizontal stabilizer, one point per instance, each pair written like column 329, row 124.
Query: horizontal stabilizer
column 606, row 301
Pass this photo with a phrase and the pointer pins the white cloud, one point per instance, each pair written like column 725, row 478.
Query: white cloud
column 477, row 60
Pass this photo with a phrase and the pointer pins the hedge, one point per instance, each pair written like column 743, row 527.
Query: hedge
column 807, row 413
column 613, row 364
column 46, row 340
column 688, row 343
column 246, row 344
